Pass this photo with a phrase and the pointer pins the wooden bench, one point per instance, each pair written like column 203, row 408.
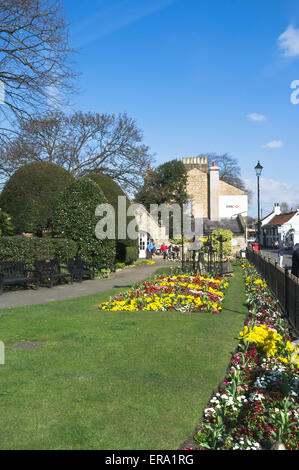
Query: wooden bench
column 16, row 272
column 80, row 270
column 50, row 270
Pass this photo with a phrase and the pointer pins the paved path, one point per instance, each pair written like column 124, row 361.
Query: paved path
column 287, row 259
column 123, row 278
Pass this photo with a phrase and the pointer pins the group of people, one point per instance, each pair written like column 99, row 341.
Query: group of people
column 168, row 252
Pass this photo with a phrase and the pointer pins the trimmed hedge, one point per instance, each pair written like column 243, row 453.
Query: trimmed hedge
column 111, row 191
column 74, row 218
column 29, row 249
column 29, row 195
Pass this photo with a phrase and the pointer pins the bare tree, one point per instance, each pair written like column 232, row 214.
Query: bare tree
column 81, row 143
column 285, row 208
column 230, row 170
column 34, row 57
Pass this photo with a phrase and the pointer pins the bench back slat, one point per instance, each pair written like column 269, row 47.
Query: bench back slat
column 13, row 270
column 45, row 267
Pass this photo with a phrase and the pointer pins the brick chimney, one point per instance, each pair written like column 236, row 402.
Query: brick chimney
column 213, row 188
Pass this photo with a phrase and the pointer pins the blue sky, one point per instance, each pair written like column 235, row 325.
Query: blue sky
column 198, row 76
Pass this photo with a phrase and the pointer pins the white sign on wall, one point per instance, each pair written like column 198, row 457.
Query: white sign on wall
column 231, row 206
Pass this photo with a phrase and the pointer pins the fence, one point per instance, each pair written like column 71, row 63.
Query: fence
column 282, row 283
column 207, row 261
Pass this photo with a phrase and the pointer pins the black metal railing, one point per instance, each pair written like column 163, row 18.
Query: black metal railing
column 206, row 261
column 284, row 286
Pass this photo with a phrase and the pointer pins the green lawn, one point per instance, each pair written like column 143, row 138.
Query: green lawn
column 111, row 380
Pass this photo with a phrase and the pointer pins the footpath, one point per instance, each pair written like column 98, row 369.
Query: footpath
column 124, row 278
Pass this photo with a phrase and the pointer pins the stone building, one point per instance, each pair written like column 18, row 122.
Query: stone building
column 211, row 200
column 219, row 204
column 209, row 196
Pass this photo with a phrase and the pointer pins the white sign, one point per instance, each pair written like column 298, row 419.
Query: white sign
column 232, row 206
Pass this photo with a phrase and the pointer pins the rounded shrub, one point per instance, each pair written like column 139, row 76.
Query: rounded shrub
column 126, row 249
column 29, row 195
column 74, row 218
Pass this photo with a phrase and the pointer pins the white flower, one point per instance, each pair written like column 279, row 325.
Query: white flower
column 209, row 410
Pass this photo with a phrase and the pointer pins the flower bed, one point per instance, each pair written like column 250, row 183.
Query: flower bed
column 178, row 292
column 257, row 405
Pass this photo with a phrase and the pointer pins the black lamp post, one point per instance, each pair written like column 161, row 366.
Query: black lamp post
column 258, row 172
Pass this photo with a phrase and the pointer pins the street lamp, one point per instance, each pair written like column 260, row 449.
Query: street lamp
column 258, row 172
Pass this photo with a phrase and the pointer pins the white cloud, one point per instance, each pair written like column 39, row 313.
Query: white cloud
column 272, row 191
column 256, row 117
column 274, row 144
column 288, row 42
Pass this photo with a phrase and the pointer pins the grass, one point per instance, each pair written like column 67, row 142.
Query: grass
column 111, row 380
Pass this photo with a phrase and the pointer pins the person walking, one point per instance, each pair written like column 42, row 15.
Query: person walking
column 281, row 254
column 295, row 263
column 150, row 249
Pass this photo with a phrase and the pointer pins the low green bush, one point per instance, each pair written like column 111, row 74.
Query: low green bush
column 120, row 265
column 131, row 254
column 29, row 249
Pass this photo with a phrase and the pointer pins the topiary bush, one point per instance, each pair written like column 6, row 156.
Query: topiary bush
column 30, row 194
column 29, row 249
column 74, row 218
column 131, row 254
column 111, row 191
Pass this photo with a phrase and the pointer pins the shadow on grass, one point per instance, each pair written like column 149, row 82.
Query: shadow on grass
column 120, row 287
column 234, row 311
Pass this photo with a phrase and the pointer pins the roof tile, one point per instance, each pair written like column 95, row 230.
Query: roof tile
column 280, row 219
